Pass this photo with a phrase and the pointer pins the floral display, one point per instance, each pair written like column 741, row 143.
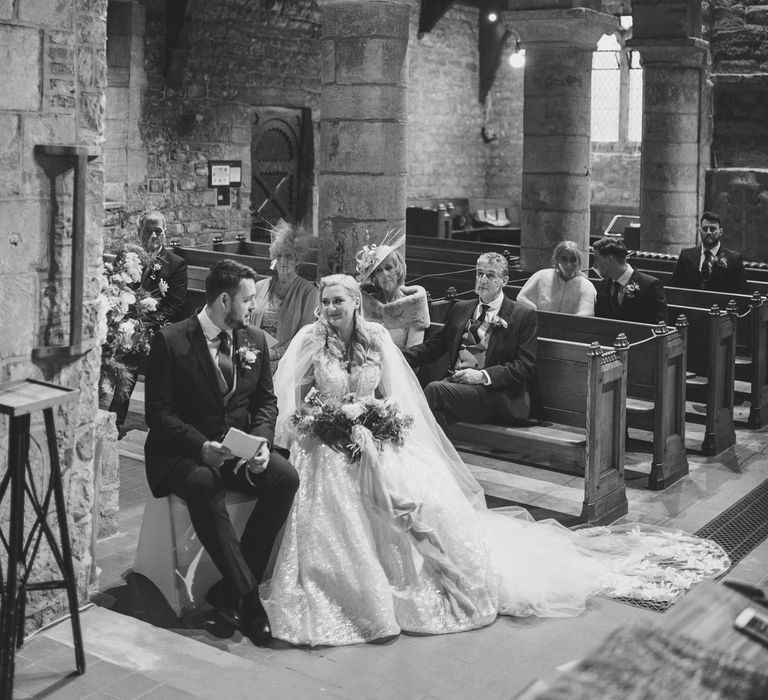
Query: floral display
column 130, row 317
column 335, row 421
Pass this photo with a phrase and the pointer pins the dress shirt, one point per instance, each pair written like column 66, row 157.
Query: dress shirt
column 624, row 281
column 702, row 254
column 491, row 313
column 211, row 332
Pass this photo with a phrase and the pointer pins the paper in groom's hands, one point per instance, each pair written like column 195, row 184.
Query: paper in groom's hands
column 243, row 445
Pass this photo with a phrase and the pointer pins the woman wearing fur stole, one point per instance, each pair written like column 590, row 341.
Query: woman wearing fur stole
column 402, row 310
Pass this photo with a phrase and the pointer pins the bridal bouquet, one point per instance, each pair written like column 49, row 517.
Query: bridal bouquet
column 130, row 317
column 335, row 421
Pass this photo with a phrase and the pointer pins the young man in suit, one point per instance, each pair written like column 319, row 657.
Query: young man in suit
column 165, row 278
column 491, row 348
column 205, row 375
column 623, row 292
column 711, row 265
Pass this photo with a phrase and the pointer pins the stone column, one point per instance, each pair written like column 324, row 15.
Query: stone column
column 363, row 119
column 675, row 149
column 556, row 125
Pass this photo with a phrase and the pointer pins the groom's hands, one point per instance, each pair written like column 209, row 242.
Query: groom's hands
column 214, row 454
column 258, row 463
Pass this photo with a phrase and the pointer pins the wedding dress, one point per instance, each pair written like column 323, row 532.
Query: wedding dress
column 402, row 540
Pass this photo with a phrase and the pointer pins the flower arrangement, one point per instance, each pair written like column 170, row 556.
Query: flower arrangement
column 334, row 421
column 130, row 317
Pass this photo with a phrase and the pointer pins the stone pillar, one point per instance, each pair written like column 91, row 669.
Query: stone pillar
column 556, row 125
column 363, row 119
column 675, row 146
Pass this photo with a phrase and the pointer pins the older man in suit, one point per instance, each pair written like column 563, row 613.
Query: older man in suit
column 711, row 265
column 625, row 293
column 491, row 348
column 205, row 375
column 165, row 278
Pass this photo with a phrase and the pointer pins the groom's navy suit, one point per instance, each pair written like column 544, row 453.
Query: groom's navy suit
column 509, row 362
column 185, row 408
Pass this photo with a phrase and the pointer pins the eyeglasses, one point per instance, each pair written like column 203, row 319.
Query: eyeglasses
column 156, row 231
column 710, row 229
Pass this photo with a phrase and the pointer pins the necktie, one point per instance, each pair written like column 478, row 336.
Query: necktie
column 474, row 327
column 615, row 295
column 705, row 266
column 225, row 359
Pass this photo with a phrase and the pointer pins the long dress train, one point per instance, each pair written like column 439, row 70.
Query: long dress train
column 402, row 540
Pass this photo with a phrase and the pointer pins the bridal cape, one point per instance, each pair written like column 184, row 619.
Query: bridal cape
column 402, row 540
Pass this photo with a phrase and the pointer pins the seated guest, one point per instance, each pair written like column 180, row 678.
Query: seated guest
column 625, row 293
column 491, row 347
column 710, row 265
column 562, row 287
column 165, row 278
column 403, row 311
column 284, row 302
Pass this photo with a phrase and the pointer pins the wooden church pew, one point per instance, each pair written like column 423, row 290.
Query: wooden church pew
column 582, row 390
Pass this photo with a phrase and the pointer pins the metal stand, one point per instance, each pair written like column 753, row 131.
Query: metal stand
column 18, row 400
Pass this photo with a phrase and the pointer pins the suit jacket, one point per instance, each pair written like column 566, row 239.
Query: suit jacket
column 645, row 304
column 172, row 269
column 511, row 353
column 727, row 274
column 184, row 406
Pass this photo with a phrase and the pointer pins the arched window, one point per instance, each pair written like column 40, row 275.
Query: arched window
column 617, row 94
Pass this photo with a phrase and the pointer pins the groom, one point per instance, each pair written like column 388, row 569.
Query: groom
column 491, row 348
column 205, row 375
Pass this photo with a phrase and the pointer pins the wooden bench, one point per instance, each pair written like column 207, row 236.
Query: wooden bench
column 656, row 382
column 656, row 379
column 751, row 313
column 170, row 555
column 582, row 390
column 711, row 356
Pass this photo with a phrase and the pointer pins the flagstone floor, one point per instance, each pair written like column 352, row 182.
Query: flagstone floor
column 136, row 648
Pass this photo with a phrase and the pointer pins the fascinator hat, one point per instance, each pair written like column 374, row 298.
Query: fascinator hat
column 373, row 254
column 287, row 239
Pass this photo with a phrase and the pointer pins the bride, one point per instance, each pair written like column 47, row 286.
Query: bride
column 401, row 540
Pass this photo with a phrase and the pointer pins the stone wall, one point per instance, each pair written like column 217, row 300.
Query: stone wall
column 54, row 63
column 736, row 184
column 739, row 40
column 199, row 90
column 201, row 107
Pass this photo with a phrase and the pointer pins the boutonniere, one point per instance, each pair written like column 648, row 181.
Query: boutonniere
column 720, row 261
column 162, row 287
column 247, row 354
column 631, row 289
column 499, row 322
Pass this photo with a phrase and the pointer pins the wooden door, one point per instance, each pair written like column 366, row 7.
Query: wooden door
column 281, row 166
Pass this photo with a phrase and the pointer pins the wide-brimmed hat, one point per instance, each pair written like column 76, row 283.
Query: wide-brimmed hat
column 287, row 239
column 372, row 255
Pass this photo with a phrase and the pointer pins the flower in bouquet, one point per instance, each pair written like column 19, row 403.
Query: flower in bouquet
column 337, row 422
column 131, row 315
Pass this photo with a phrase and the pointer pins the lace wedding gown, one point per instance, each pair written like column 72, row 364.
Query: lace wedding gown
column 402, row 540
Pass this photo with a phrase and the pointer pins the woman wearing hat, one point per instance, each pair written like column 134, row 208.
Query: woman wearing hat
column 284, row 302
column 402, row 310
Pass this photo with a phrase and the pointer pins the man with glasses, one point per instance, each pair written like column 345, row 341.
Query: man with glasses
column 710, row 265
column 490, row 343
column 165, row 278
